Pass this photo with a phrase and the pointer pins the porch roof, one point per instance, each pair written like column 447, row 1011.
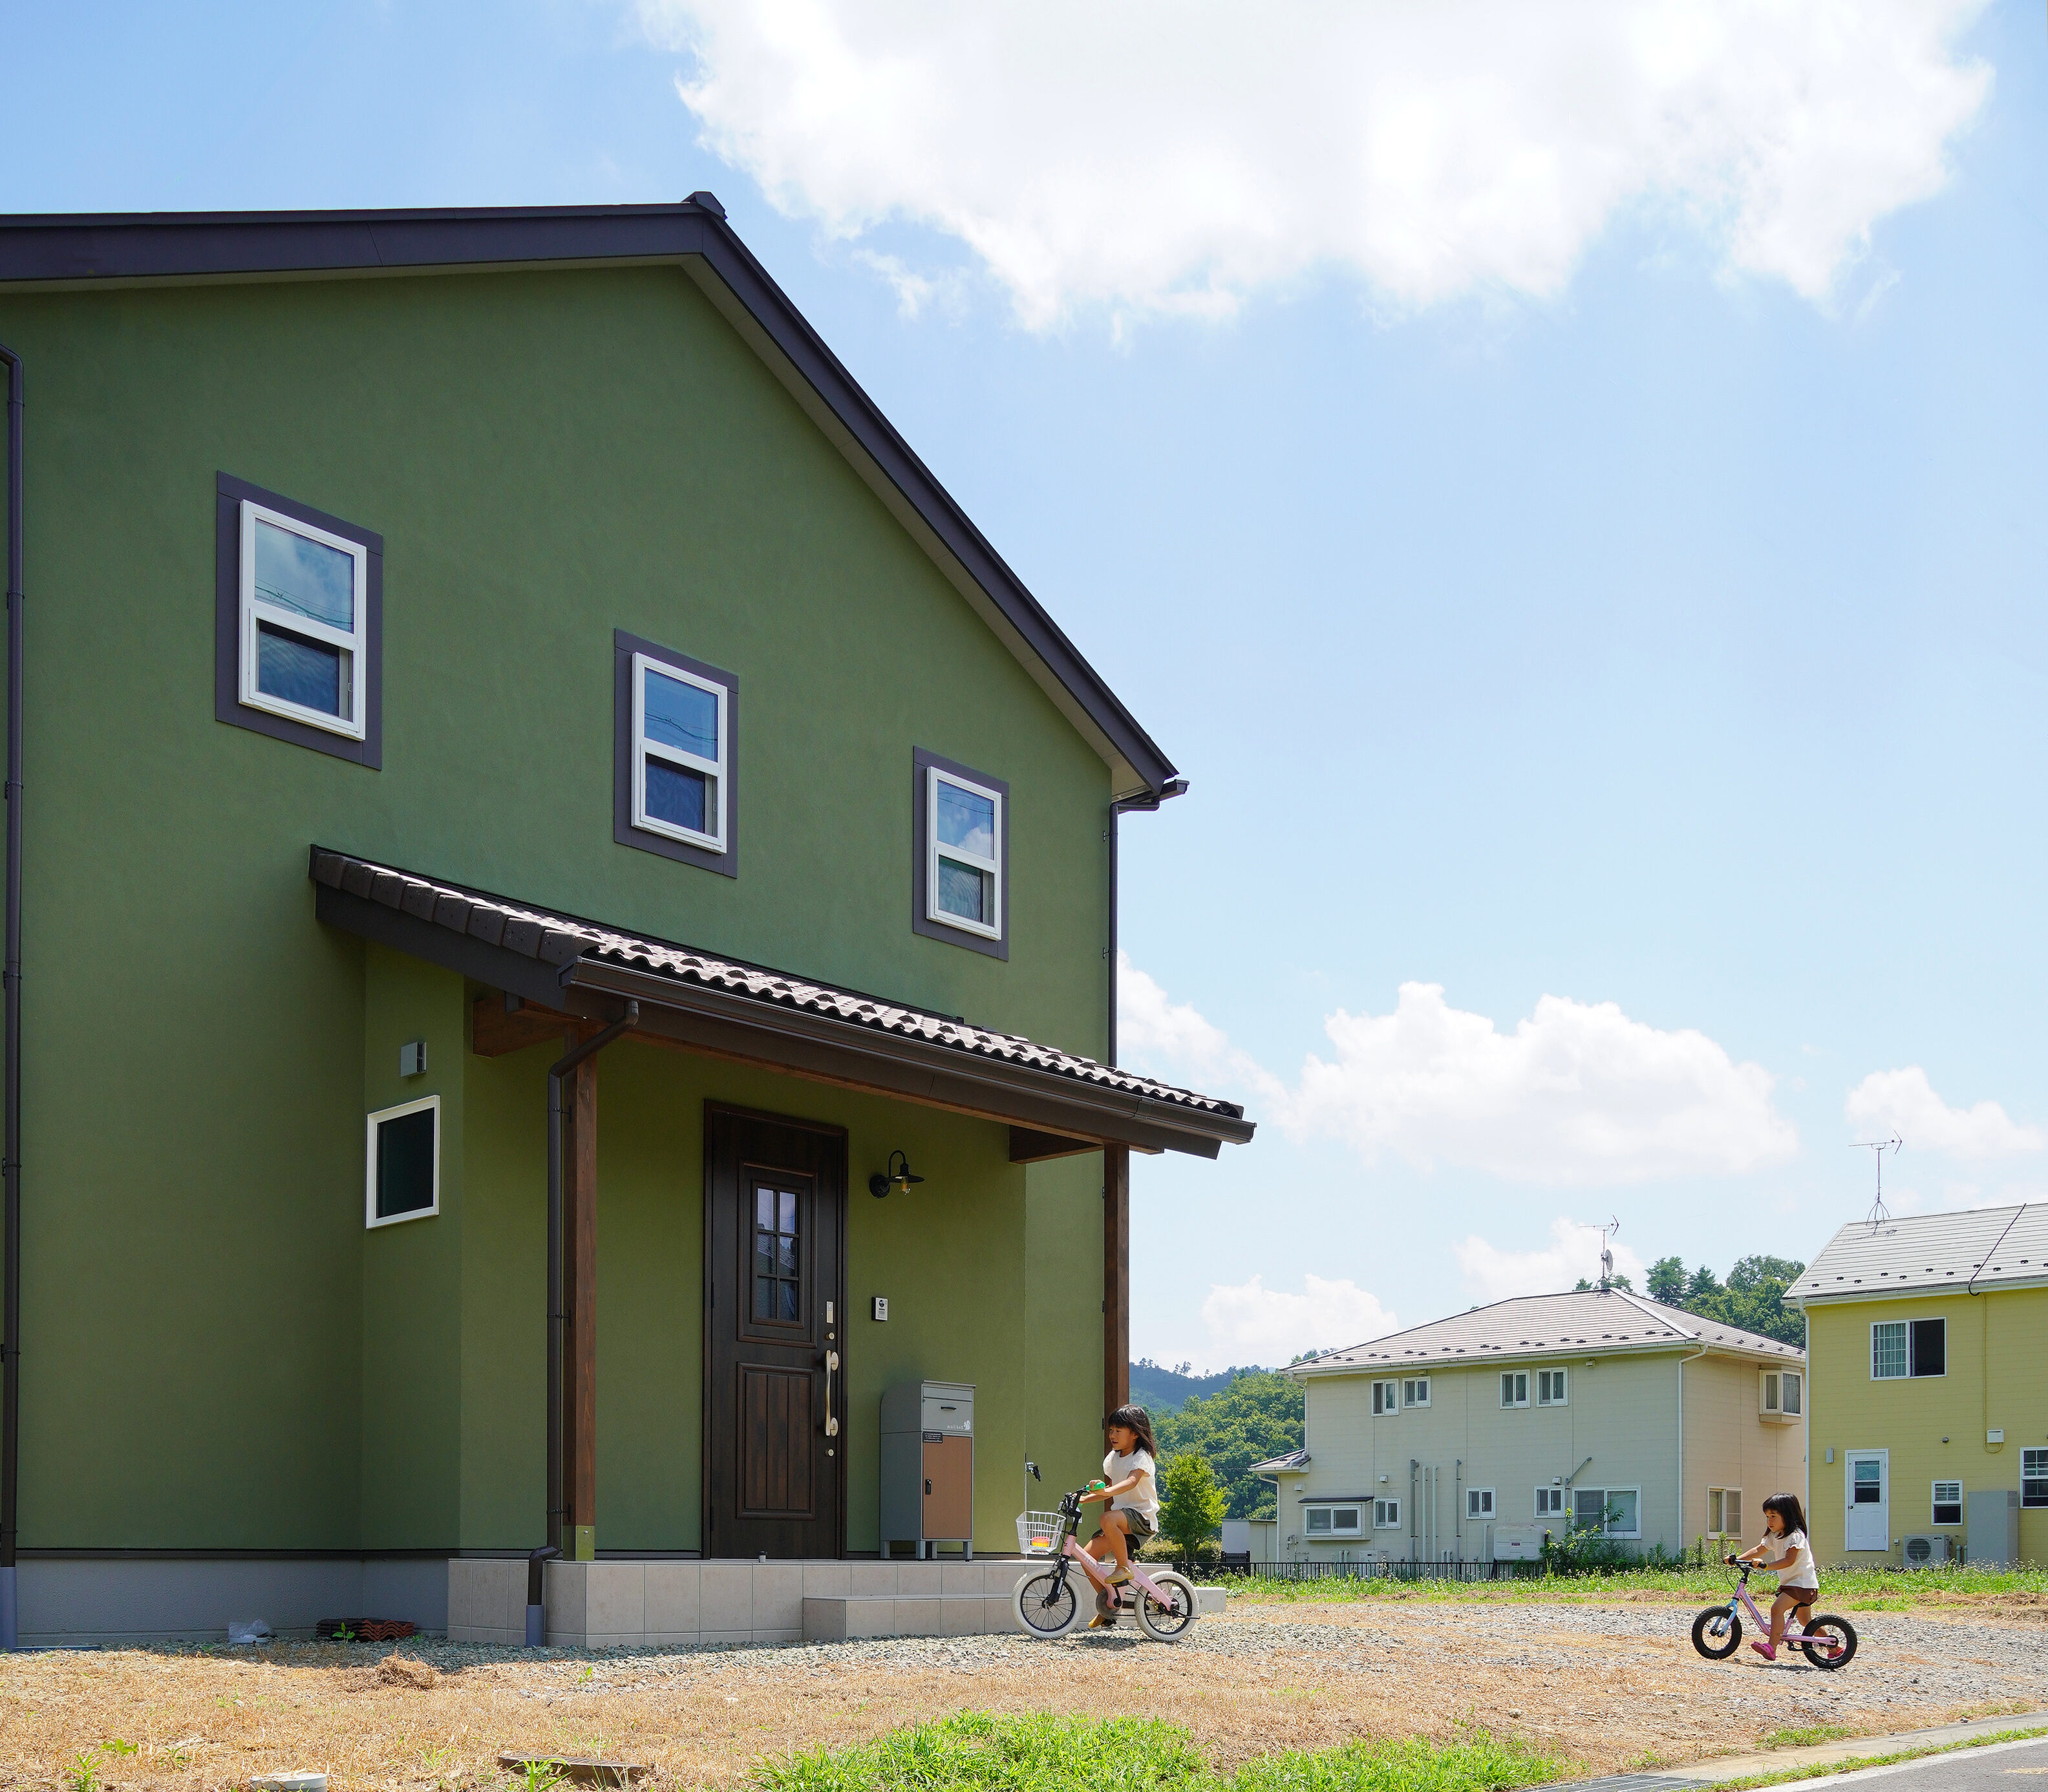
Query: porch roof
column 577, row 970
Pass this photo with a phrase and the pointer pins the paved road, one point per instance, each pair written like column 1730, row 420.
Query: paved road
column 2005, row 1767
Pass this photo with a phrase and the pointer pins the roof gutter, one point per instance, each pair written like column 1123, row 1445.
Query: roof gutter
column 10, row 1153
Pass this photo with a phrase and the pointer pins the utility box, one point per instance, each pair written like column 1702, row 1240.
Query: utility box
column 928, row 1466
column 1517, row 1542
column 1993, row 1536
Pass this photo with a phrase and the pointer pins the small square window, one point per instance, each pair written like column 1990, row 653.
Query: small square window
column 403, row 1179
column 1949, row 1502
column 1479, row 1503
column 1550, row 1503
column 298, row 623
column 960, row 884
column 2033, row 1477
column 1415, row 1392
column 674, row 776
column 1514, row 1388
column 1550, row 1387
column 1387, row 1515
column 1386, row 1398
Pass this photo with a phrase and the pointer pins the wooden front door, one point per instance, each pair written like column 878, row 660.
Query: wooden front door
column 774, row 1451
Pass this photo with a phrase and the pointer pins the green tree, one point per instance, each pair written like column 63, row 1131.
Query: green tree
column 1667, row 1280
column 1192, row 1511
column 1753, row 1297
column 1256, row 1417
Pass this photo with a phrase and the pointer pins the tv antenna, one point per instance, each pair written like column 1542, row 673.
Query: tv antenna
column 1878, row 1212
column 1606, row 1253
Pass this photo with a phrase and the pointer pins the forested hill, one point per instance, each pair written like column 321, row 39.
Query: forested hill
column 1257, row 1416
column 1158, row 1389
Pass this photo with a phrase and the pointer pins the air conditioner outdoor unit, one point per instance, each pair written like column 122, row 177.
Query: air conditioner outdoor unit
column 1924, row 1552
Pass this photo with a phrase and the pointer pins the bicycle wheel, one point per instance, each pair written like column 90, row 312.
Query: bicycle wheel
column 1167, row 1623
column 1044, row 1603
column 1718, row 1633
column 1836, row 1644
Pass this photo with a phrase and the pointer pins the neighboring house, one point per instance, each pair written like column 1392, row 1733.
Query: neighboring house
column 459, row 637
column 1470, row 1439
column 1930, row 1412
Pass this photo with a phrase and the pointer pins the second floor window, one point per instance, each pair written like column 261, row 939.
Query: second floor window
column 675, row 782
column 961, row 883
column 1900, row 1348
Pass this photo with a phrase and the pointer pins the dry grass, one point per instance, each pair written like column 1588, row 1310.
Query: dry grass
column 1276, row 1677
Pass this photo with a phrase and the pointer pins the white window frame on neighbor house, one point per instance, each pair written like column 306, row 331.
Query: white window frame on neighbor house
column 711, row 839
column 1479, row 1503
column 1607, row 1499
column 1330, row 1528
column 1514, row 1387
column 2033, row 1477
column 1724, row 1511
column 371, row 1217
column 1386, row 1398
column 352, row 643
column 1387, row 1515
column 1900, row 1331
column 1415, row 1390
column 1949, row 1494
column 1552, row 1388
column 1779, row 1395
column 1550, row 1501
column 959, row 855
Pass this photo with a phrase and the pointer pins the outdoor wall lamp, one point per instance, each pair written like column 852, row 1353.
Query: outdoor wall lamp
column 895, row 1181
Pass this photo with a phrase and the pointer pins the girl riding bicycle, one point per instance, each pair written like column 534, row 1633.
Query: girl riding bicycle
column 1798, row 1581
column 1131, row 1498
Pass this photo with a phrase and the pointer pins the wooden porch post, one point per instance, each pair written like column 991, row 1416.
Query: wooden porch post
column 580, row 1280
column 1115, row 1277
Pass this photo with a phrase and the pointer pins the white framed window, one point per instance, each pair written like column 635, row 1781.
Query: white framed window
column 1724, row 1511
column 1415, row 1391
column 303, row 630
column 1948, row 1501
column 1387, row 1515
column 1386, row 1398
column 402, row 1173
column 680, row 755
column 1614, row 1511
column 1550, row 1387
column 1794, row 1392
column 963, row 847
column 1778, row 1395
column 1549, row 1501
column 1515, row 1388
column 2033, row 1477
column 1322, row 1522
column 1900, row 1348
column 1479, row 1503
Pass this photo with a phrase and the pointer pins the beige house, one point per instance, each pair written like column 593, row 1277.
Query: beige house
column 1469, row 1439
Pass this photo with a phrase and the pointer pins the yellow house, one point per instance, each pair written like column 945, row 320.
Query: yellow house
column 1925, row 1339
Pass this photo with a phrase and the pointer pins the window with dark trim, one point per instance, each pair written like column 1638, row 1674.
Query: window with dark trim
column 2033, row 1477
column 960, row 874
column 675, row 755
column 298, row 623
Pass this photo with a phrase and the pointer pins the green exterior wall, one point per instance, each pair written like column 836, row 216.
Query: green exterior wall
column 216, row 1353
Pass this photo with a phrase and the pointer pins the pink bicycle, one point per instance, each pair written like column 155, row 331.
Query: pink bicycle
column 1048, row 1604
column 1829, row 1642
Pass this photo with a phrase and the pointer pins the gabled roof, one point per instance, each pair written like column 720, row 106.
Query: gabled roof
column 708, row 1003
column 55, row 251
column 1930, row 1254
column 1586, row 1323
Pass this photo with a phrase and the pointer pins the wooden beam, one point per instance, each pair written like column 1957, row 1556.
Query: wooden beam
column 1115, row 1277
column 494, row 1029
column 1028, row 1145
column 579, row 1279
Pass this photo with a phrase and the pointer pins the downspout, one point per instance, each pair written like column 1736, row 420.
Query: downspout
column 10, row 1153
column 1118, row 807
column 1682, row 1361
column 1983, row 1330
column 558, row 1509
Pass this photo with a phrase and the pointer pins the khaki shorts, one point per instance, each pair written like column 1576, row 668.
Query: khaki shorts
column 1134, row 1521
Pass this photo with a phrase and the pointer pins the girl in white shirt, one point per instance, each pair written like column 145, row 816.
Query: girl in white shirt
column 1798, row 1581
column 1130, row 1494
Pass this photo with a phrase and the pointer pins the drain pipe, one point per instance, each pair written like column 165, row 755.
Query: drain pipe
column 558, row 1507
column 10, row 1154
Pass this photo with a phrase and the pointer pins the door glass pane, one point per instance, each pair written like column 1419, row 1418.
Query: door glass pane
column 306, row 577
column 1869, row 1488
column 678, row 796
column 788, row 1213
column 964, row 891
column 777, row 1281
column 310, row 674
column 966, row 820
column 681, row 716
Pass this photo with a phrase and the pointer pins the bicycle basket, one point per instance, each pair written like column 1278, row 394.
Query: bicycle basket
column 1038, row 1532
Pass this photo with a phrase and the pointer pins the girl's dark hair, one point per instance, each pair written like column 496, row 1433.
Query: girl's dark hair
column 1786, row 1507
column 1136, row 1419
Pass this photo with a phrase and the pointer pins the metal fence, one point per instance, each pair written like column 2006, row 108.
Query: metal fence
column 1364, row 1570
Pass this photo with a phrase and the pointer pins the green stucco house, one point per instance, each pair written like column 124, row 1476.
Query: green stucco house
column 566, row 908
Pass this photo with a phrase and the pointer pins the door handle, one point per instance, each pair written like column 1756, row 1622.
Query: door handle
column 832, row 1368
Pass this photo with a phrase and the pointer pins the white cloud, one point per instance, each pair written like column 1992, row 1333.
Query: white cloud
column 1152, row 1029
column 1155, row 157
column 1904, row 1102
column 1578, row 1093
column 1573, row 1254
column 1251, row 1323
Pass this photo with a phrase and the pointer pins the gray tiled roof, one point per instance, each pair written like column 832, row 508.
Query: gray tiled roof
column 1584, row 1323
column 560, row 940
column 1292, row 1463
column 1927, row 1253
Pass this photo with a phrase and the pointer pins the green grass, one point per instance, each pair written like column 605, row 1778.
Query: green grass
column 1822, row 1769
column 1806, row 1738
column 1867, row 1589
column 1046, row 1753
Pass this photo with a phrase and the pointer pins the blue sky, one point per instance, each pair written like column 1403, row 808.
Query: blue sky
column 1623, row 591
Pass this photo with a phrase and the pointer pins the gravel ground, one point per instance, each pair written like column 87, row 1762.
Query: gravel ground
column 1609, row 1686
